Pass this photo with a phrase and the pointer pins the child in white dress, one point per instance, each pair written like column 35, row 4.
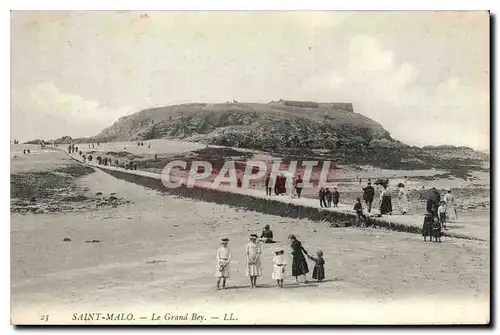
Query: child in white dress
column 253, row 251
column 279, row 267
column 222, row 267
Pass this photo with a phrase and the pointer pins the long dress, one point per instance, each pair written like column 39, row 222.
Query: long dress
column 279, row 266
column 223, row 265
column 299, row 263
column 402, row 200
column 385, row 202
column 450, row 206
column 253, row 252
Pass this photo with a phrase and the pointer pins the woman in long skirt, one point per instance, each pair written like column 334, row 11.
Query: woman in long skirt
column 385, row 201
column 299, row 263
column 254, row 266
column 402, row 199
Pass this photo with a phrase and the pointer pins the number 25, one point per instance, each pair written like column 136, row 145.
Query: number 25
column 44, row 318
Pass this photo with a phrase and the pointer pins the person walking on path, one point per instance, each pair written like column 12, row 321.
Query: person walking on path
column 298, row 186
column 385, row 200
column 253, row 251
column 335, row 197
column 268, row 185
column 299, row 263
column 402, row 199
column 368, row 195
column 322, row 199
column 328, row 196
column 222, row 270
column 450, row 205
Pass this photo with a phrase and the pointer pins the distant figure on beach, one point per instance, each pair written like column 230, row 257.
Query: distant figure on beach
column 335, row 197
column 28, row 151
column 319, row 266
column 276, row 184
column 298, row 186
column 402, row 199
column 267, row 235
column 156, row 157
column 223, row 265
column 299, row 264
column 268, row 184
column 279, row 267
column 24, row 151
column 450, row 205
column 322, row 197
column 328, row 197
column 239, row 183
column 385, row 200
column 253, row 252
column 368, row 195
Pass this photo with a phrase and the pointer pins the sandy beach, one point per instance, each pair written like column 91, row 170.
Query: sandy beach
column 157, row 253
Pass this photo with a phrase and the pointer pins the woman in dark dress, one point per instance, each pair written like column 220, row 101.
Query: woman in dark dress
column 299, row 263
column 385, row 201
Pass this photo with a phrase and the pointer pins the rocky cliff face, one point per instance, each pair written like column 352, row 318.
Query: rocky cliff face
column 283, row 124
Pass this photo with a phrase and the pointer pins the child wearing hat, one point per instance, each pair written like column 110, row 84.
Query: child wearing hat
column 279, row 266
column 222, row 270
column 254, row 268
column 319, row 266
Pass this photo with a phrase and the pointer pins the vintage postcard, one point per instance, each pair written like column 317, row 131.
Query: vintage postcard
column 250, row 168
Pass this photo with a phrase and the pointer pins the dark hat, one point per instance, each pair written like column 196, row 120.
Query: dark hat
column 225, row 239
column 253, row 235
column 292, row 236
column 266, row 226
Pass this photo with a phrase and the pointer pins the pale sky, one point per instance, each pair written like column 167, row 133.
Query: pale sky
column 423, row 75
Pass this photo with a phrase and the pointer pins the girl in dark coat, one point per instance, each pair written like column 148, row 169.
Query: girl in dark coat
column 319, row 266
column 299, row 263
column 427, row 227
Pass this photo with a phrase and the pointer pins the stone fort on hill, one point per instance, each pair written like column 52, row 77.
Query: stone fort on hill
column 327, row 106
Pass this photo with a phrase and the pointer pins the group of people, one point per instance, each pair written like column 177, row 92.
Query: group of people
column 253, row 253
column 278, row 184
column 439, row 211
column 26, row 151
column 327, row 197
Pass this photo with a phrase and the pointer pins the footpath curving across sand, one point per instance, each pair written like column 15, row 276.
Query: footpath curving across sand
column 476, row 228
